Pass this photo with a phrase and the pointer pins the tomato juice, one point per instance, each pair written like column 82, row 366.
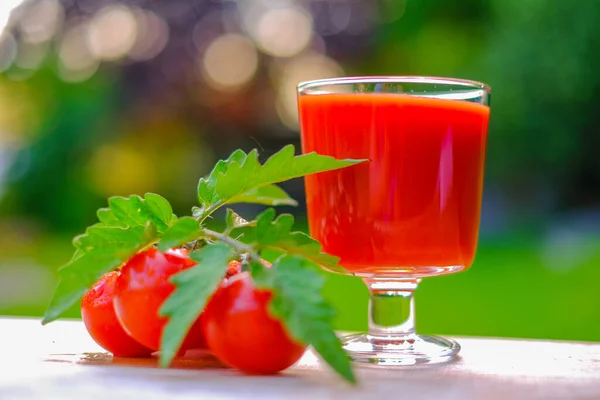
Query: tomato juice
column 414, row 208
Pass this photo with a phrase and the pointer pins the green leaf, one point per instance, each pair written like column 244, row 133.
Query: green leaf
column 160, row 207
column 270, row 231
column 206, row 185
column 194, row 287
column 262, row 276
column 276, row 234
column 270, row 195
column 299, row 303
column 137, row 211
column 183, row 231
column 69, row 290
column 234, row 221
column 242, row 173
column 302, row 244
column 106, row 217
column 109, row 240
column 100, row 250
column 128, row 225
column 197, row 212
column 150, row 233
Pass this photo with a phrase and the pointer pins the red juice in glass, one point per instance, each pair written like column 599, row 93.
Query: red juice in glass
column 414, row 207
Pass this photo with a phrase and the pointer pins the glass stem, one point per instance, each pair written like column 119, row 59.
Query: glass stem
column 391, row 307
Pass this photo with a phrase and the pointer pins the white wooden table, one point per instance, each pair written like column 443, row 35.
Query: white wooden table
column 60, row 361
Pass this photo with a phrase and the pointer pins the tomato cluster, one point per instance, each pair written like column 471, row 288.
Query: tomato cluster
column 120, row 313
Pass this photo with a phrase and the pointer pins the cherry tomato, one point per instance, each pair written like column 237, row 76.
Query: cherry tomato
column 235, row 267
column 101, row 321
column 142, row 288
column 240, row 331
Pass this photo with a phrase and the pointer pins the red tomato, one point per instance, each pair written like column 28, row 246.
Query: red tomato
column 101, row 322
column 240, row 331
column 142, row 288
column 235, row 267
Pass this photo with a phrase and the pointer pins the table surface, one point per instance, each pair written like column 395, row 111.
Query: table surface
column 60, row 361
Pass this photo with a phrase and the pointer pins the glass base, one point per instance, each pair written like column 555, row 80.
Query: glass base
column 399, row 351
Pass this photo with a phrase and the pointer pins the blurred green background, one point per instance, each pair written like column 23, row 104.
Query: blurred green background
column 101, row 98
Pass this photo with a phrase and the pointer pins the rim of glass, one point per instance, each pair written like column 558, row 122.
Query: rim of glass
column 435, row 80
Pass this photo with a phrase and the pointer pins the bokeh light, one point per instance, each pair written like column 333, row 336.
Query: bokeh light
column 363, row 18
column 77, row 63
column 8, row 50
column 229, row 62
column 340, row 15
column 283, row 32
column 42, row 21
column 6, row 9
column 152, row 36
column 31, row 55
column 112, row 32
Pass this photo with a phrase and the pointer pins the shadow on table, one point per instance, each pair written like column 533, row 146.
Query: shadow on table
column 193, row 359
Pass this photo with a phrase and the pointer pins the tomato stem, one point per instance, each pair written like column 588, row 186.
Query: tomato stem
column 209, row 210
column 236, row 244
